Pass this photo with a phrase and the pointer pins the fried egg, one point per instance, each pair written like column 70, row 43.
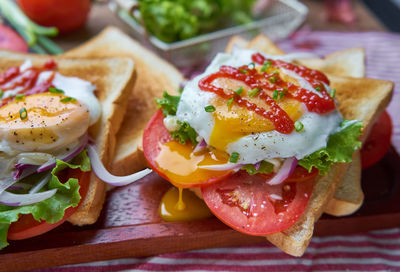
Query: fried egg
column 42, row 122
column 46, row 122
column 235, row 129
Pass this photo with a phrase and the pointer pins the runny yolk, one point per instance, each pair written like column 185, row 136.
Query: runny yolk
column 172, row 210
column 234, row 122
column 181, row 165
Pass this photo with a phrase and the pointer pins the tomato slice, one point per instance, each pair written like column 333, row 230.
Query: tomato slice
column 378, row 141
column 248, row 204
column 156, row 137
column 9, row 39
column 301, row 174
column 27, row 226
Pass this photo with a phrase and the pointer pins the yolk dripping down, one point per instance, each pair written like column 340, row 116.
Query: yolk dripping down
column 181, row 165
column 179, row 205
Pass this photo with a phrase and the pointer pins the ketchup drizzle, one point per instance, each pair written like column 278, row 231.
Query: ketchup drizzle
column 272, row 82
column 27, row 81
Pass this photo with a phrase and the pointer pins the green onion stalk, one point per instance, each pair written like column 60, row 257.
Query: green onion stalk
column 34, row 34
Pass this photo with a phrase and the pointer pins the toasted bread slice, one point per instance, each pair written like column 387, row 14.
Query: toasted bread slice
column 236, row 42
column 154, row 75
column 350, row 62
column 361, row 99
column 114, row 79
column 348, row 196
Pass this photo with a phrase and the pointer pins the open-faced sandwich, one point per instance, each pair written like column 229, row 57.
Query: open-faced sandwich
column 265, row 139
column 52, row 110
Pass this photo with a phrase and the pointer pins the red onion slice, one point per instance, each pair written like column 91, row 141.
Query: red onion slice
column 11, row 199
column 67, row 156
column 257, row 165
column 102, row 173
column 200, row 146
column 39, row 185
column 284, row 172
column 6, row 183
column 222, row 167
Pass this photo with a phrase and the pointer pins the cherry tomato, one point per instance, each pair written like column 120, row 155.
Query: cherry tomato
column 27, row 226
column 9, row 39
column 156, row 134
column 378, row 141
column 248, row 204
column 66, row 15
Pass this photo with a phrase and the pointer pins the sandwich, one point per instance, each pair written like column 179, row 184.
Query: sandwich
column 266, row 140
column 53, row 110
column 342, row 68
column 349, row 196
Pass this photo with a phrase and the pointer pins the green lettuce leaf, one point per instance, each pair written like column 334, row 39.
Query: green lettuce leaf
column 168, row 104
column 340, row 148
column 52, row 209
column 265, row 168
column 184, row 133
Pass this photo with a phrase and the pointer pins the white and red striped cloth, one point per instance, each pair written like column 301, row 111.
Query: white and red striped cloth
column 372, row 251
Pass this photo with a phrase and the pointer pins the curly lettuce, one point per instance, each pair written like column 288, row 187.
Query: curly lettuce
column 340, row 148
column 52, row 209
column 169, row 105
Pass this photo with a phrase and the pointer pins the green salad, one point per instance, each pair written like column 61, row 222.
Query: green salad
column 175, row 20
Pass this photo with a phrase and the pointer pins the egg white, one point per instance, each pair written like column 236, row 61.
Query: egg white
column 260, row 146
column 74, row 87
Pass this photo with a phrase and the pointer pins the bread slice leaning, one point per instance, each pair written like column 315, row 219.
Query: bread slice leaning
column 349, row 196
column 114, row 79
column 154, row 75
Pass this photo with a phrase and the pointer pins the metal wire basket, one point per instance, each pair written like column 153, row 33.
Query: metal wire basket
column 277, row 22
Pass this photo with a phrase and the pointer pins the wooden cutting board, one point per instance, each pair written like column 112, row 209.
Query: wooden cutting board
column 129, row 225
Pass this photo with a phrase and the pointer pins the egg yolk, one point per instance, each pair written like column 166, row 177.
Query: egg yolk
column 232, row 122
column 179, row 205
column 42, row 122
column 181, row 164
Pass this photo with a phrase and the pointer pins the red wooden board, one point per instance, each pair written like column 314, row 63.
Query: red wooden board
column 129, row 225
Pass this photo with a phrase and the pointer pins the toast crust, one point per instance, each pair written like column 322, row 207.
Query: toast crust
column 113, row 78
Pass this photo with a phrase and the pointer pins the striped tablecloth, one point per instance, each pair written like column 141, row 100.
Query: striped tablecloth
column 373, row 251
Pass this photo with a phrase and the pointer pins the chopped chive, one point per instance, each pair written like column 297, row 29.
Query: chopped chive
column 19, row 97
column 272, row 79
column 281, row 94
column 234, row 157
column 332, row 93
column 253, row 92
column 318, row 89
column 55, row 90
column 298, row 126
column 230, row 101
column 68, row 99
column 239, row 91
column 209, row 108
column 23, row 114
column 251, row 65
column 1, row 93
column 243, row 71
column 275, row 95
column 266, row 65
